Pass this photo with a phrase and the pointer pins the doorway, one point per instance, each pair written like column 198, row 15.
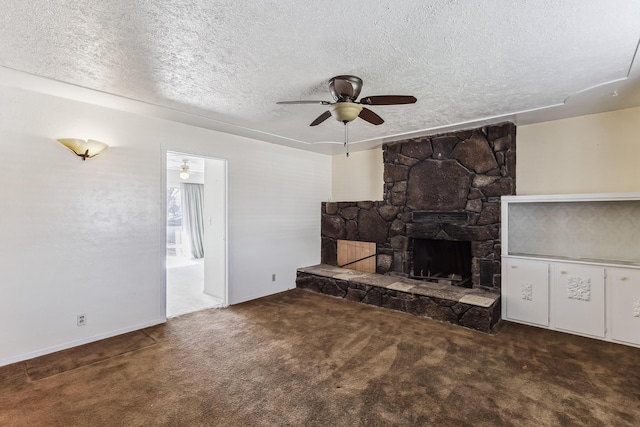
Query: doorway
column 196, row 261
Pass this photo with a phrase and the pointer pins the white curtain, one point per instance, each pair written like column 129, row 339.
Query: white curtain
column 192, row 196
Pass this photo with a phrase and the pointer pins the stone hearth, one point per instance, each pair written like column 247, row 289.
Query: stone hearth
column 443, row 187
column 472, row 308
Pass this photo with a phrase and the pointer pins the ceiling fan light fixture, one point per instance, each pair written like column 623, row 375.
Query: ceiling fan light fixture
column 184, row 170
column 345, row 111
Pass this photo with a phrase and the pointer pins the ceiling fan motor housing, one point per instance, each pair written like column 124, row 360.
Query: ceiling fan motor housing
column 345, row 88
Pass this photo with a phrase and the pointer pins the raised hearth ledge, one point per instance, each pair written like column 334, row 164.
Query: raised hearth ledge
column 472, row 308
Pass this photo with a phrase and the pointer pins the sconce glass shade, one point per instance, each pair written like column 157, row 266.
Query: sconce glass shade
column 82, row 148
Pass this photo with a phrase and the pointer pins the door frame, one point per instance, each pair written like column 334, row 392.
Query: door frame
column 163, row 229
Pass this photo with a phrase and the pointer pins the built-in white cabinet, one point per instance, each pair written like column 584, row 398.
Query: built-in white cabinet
column 578, row 298
column 624, row 287
column 526, row 289
column 572, row 263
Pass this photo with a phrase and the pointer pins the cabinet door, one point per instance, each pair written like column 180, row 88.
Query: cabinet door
column 527, row 291
column 578, row 298
column 625, row 304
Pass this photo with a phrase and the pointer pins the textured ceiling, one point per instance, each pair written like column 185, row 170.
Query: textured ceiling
column 229, row 62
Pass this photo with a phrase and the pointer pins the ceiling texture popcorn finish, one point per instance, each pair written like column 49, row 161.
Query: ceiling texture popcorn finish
column 224, row 65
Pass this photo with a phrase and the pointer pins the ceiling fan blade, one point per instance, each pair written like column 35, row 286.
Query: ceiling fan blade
column 388, row 100
column 370, row 116
column 304, row 102
column 321, row 118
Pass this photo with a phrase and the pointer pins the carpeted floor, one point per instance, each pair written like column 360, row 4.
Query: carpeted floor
column 303, row 359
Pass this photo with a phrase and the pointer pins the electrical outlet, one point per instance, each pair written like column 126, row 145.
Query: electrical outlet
column 273, row 277
column 82, row 319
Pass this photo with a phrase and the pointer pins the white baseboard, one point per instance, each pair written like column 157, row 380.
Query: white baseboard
column 72, row 344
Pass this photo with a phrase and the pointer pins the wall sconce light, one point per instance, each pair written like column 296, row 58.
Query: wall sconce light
column 89, row 148
column 184, row 170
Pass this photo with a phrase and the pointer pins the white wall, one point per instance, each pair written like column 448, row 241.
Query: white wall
column 86, row 237
column 597, row 153
column 357, row 177
column 215, row 217
column 274, row 196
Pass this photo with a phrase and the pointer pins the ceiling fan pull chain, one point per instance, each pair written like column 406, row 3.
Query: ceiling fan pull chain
column 346, row 137
column 346, row 134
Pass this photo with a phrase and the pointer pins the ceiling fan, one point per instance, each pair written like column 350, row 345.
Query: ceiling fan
column 345, row 90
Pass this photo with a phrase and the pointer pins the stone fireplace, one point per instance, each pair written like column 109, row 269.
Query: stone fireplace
column 444, row 188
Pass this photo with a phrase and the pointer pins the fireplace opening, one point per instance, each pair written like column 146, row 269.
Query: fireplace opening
column 441, row 261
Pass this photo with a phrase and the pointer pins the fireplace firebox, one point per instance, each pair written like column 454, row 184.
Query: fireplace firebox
column 441, row 261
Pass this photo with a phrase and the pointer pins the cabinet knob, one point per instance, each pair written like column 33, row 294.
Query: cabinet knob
column 563, row 272
column 623, row 278
column 514, row 266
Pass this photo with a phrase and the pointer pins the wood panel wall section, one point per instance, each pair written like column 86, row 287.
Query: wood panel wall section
column 360, row 256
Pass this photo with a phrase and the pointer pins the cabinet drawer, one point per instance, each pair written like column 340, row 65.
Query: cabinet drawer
column 625, row 304
column 527, row 291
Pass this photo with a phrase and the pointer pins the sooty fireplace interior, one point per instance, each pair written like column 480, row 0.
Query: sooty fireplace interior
column 441, row 261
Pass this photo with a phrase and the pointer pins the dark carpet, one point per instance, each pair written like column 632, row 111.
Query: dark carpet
column 66, row 360
column 303, row 359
